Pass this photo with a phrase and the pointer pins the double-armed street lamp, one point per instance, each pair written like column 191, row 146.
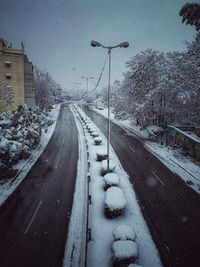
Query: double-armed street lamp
column 121, row 45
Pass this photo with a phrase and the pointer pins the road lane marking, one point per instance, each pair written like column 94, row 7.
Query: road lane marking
column 57, row 162
column 132, row 148
column 63, row 140
column 157, row 177
column 33, row 217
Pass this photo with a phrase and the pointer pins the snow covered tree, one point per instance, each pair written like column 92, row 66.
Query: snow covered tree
column 190, row 14
column 47, row 91
column 161, row 88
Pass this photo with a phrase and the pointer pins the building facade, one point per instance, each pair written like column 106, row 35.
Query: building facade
column 28, row 82
column 16, row 71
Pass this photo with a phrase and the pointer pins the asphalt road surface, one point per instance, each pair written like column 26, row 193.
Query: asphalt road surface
column 170, row 208
column 34, row 220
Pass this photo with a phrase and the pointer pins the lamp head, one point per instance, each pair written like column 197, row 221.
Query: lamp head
column 124, row 45
column 95, row 43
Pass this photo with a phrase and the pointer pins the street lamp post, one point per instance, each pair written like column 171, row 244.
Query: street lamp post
column 77, row 87
column 87, row 83
column 122, row 45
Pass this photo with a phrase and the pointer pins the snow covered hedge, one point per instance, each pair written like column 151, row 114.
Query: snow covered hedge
column 124, row 247
column 124, row 232
column 104, row 168
column 94, row 134
column 97, row 140
column 114, row 202
column 101, row 154
column 125, row 252
column 110, row 179
column 20, row 132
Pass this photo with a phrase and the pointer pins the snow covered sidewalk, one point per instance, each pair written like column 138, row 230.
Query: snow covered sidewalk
column 184, row 167
column 7, row 187
column 121, row 203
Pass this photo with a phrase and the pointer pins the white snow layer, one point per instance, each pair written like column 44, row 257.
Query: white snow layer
column 123, row 249
column 124, row 232
column 111, row 179
column 114, row 198
column 104, row 165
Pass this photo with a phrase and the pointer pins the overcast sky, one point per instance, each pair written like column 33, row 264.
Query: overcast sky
column 57, row 33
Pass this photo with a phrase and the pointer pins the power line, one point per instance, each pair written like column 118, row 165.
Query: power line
column 98, row 79
column 100, row 75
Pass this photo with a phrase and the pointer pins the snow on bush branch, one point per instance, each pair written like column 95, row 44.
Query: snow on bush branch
column 160, row 88
column 20, row 132
column 47, row 91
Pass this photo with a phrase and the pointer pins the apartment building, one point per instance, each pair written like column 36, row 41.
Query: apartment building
column 16, row 71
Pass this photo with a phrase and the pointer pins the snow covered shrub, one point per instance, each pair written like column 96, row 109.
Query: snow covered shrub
column 33, row 138
column 94, row 134
column 154, row 132
column 125, row 252
column 110, row 179
column 20, row 133
column 15, row 149
column 91, row 129
column 87, row 126
column 101, row 154
column 97, row 140
column 9, row 155
column 124, row 232
column 25, row 153
column 104, row 168
column 5, row 121
column 114, row 202
column 4, row 154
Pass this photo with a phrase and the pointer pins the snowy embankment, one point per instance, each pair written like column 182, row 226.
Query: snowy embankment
column 108, row 210
column 7, row 187
column 76, row 238
column 177, row 163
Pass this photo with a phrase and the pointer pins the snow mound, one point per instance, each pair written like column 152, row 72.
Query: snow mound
column 97, row 140
column 115, row 199
column 124, row 249
column 101, row 152
column 94, row 134
column 111, row 179
column 124, row 232
column 111, row 165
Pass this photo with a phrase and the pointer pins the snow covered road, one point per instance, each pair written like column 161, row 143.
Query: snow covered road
column 34, row 220
column 171, row 208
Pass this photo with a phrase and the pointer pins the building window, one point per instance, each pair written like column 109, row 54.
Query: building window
column 8, row 75
column 7, row 63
